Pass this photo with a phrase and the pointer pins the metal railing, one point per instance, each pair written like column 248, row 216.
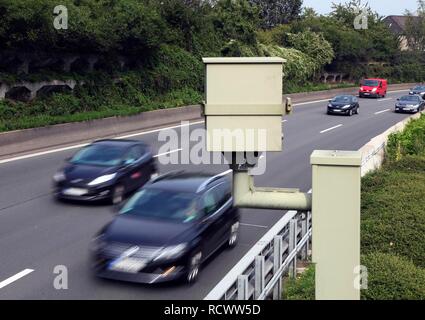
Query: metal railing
column 258, row 275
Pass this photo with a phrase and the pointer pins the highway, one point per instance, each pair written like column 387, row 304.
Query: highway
column 38, row 233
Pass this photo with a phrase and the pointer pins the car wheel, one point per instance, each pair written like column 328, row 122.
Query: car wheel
column 357, row 110
column 194, row 264
column 234, row 235
column 118, row 194
column 350, row 113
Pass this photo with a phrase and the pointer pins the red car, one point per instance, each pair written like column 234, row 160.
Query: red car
column 376, row 88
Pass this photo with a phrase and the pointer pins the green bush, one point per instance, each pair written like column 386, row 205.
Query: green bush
column 393, row 219
column 410, row 141
column 391, row 277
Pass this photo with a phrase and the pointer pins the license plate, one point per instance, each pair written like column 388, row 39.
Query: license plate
column 129, row 265
column 336, row 110
column 75, row 192
column 406, row 109
column 366, row 94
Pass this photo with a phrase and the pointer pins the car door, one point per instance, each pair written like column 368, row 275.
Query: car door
column 134, row 174
column 213, row 222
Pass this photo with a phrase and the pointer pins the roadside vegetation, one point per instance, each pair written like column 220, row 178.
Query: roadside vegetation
column 392, row 223
column 164, row 42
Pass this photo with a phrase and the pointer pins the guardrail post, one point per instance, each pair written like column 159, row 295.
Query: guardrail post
column 243, row 287
column 277, row 262
column 304, row 230
column 308, row 229
column 292, row 244
column 259, row 276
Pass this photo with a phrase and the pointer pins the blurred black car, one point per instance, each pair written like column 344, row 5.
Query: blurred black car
column 105, row 170
column 345, row 104
column 410, row 103
column 419, row 90
column 168, row 229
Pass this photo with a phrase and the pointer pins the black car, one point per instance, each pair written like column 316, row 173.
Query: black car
column 105, row 170
column 345, row 104
column 410, row 103
column 168, row 229
column 419, row 90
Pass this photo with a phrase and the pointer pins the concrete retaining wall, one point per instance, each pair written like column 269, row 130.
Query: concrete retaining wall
column 30, row 140
column 373, row 152
column 20, row 141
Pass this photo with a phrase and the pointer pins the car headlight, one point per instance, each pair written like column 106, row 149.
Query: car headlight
column 329, row 105
column 411, row 92
column 59, row 176
column 102, row 179
column 171, row 252
column 374, row 89
column 346, row 107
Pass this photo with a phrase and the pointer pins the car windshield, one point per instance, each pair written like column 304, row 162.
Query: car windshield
column 419, row 88
column 370, row 83
column 99, row 155
column 409, row 98
column 342, row 99
column 163, row 204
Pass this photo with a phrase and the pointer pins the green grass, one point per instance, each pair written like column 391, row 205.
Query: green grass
column 300, row 288
column 392, row 223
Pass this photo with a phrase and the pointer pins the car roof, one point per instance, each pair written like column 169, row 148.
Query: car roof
column 410, row 95
column 118, row 142
column 193, row 182
column 345, row 95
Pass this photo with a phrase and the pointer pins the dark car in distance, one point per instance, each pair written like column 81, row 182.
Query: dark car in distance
column 410, row 103
column 168, row 229
column 419, row 90
column 105, row 170
column 344, row 104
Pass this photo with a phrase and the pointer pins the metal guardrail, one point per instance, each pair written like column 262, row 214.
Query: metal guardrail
column 258, row 275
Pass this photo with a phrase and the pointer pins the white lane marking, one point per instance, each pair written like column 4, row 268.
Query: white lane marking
column 17, row 276
column 329, row 129
column 310, row 102
column 386, row 99
column 165, row 153
column 32, row 155
column 157, row 130
column 37, row 154
column 253, row 225
column 382, row 111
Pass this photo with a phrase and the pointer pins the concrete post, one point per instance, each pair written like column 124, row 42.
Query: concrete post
column 336, row 223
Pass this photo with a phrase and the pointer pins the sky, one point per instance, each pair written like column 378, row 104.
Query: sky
column 383, row 7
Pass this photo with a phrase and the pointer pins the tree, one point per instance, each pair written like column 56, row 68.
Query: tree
column 415, row 28
column 237, row 20
column 275, row 12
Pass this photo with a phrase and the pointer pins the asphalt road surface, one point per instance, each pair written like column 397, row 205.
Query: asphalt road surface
column 37, row 233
